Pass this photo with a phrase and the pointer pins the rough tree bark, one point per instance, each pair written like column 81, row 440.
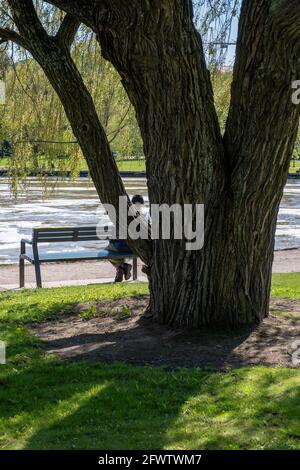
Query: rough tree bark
column 239, row 178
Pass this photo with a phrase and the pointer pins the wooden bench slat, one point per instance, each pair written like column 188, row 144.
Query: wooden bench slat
column 72, row 239
column 69, row 234
column 60, row 233
column 61, row 228
column 83, row 255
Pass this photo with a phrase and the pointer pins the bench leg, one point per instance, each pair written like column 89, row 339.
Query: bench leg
column 37, row 266
column 22, row 265
column 134, row 274
column 22, row 272
column 38, row 276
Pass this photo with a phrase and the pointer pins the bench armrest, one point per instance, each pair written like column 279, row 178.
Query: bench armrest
column 24, row 240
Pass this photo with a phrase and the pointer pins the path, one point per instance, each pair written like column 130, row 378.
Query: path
column 92, row 272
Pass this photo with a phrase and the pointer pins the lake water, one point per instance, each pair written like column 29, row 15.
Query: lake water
column 76, row 203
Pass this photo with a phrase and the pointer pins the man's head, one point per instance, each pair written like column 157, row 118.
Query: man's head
column 138, row 199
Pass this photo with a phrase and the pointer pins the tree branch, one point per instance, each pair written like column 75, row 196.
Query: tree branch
column 81, row 9
column 266, row 66
column 286, row 15
column 10, row 35
column 62, row 73
column 27, row 21
column 68, row 29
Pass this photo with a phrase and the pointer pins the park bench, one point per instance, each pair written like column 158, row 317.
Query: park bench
column 68, row 235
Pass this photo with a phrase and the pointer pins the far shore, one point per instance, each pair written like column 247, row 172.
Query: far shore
column 93, row 272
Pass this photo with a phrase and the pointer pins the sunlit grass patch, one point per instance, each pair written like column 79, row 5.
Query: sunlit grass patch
column 47, row 404
column 286, row 285
column 39, row 305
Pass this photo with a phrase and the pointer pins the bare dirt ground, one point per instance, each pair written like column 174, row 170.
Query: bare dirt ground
column 121, row 333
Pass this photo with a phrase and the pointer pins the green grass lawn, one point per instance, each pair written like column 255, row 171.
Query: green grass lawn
column 295, row 166
column 131, row 165
column 286, row 285
column 38, row 305
column 138, row 165
column 46, row 403
column 134, row 165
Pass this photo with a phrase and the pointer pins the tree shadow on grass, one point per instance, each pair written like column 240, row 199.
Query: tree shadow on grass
column 50, row 404
column 83, row 405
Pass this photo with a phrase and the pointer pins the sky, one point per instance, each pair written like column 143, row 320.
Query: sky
column 232, row 38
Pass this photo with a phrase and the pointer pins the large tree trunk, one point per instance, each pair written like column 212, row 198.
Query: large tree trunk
column 239, row 178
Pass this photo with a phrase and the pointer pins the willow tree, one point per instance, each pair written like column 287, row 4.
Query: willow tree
column 240, row 176
column 33, row 117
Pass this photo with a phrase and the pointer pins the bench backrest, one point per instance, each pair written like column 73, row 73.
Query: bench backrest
column 68, row 234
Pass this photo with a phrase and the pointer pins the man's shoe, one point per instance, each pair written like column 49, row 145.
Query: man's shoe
column 119, row 274
column 127, row 271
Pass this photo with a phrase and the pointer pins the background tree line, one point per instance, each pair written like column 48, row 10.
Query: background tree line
column 34, row 123
column 33, row 120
